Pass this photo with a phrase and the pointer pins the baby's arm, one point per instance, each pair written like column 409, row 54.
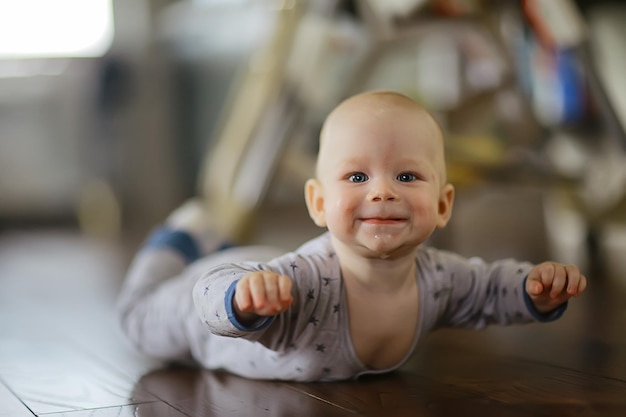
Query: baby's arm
column 261, row 294
column 550, row 284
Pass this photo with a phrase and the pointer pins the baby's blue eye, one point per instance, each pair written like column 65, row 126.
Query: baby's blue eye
column 358, row 177
column 406, row 177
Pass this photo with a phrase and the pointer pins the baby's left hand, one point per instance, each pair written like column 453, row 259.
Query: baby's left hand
column 550, row 284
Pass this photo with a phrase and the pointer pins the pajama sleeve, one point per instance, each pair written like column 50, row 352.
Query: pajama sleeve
column 213, row 298
column 311, row 275
column 473, row 293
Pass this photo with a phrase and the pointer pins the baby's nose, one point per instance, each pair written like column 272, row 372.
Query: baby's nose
column 382, row 191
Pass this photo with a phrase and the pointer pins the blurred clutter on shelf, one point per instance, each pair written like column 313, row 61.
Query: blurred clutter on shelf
column 527, row 92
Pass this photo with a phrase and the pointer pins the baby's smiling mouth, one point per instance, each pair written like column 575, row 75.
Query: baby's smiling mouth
column 382, row 220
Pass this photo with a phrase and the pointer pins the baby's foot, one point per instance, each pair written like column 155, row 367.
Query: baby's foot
column 193, row 217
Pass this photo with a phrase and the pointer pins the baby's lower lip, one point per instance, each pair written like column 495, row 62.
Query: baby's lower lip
column 382, row 221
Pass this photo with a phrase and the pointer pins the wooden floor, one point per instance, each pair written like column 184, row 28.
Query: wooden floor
column 62, row 354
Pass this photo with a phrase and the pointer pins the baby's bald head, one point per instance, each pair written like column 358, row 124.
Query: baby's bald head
column 387, row 108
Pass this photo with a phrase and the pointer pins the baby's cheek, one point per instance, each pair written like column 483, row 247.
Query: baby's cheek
column 334, row 222
column 339, row 215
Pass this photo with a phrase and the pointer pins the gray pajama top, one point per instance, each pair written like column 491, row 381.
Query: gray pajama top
column 175, row 310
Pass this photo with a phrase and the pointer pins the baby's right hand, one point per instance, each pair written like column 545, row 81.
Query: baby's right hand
column 262, row 293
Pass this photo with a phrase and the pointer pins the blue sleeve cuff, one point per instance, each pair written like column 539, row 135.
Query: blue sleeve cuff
column 542, row 317
column 178, row 240
column 260, row 324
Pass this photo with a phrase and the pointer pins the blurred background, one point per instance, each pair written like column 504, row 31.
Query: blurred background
column 114, row 112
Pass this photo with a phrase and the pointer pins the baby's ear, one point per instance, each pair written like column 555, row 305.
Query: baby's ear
column 314, row 195
column 446, row 200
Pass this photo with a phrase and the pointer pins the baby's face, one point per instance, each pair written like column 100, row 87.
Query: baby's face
column 382, row 171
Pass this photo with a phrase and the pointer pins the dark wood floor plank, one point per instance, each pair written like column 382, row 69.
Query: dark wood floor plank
column 205, row 393
column 528, row 385
column 404, row 393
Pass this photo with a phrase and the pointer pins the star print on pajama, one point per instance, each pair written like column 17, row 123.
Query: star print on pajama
column 190, row 306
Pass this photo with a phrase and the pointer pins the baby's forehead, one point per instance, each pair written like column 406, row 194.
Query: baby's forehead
column 388, row 111
column 388, row 108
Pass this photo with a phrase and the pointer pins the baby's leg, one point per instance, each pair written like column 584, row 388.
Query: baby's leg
column 155, row 303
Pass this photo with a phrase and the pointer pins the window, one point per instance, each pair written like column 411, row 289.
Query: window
column 55, row 28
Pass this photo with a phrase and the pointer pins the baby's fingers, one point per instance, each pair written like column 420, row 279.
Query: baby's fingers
column 558, row 280
column 251, row 295
column 576, row 282
column 550, row 278
column 243, row 296
column 284, row 290
column 534, row 287
column 540, row 279
column 263, row 293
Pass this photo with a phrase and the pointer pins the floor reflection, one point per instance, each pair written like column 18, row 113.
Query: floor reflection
column 204, row 393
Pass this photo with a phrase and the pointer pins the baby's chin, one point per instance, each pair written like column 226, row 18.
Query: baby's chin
column 384, row 247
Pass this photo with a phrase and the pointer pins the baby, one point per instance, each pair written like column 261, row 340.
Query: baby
column 357, row 299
